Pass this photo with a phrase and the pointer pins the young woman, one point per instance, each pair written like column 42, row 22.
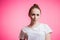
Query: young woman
column 35, row 30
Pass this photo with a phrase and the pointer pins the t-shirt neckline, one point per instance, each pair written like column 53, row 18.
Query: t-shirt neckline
column 35, row 26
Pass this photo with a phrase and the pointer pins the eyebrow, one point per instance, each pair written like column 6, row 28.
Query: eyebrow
column 32, row 13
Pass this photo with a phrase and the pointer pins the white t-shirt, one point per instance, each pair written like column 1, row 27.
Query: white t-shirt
column 37, row 33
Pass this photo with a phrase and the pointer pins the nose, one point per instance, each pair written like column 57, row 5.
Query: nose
column 35, row 17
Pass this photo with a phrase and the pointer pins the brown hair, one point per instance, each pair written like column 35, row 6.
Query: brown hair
column 34, row 6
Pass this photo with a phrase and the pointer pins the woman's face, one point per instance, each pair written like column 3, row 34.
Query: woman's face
column 35, row 14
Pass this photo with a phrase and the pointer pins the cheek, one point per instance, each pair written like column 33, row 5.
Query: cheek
column 38, row 17
column 32, row 17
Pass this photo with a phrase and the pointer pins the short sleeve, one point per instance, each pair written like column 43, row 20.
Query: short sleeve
column 47, row 29
column 21, row 35
column 24, row 29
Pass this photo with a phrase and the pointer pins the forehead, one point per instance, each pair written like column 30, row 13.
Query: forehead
column 35, row 11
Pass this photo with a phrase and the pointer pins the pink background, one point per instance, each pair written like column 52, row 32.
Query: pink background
column 14, row 16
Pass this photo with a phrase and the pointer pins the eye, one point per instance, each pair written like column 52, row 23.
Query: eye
column 33, row 14
column 37, row 14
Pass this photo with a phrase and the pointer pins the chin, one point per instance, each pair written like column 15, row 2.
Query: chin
column 35, row 20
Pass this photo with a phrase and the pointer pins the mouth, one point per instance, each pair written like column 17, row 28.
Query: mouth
column 34, row 19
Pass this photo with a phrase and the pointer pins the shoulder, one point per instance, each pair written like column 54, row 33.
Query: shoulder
column 24, row 29
column 43, row 24
column 46, row 28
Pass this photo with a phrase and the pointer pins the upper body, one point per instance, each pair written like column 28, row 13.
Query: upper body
column 37, row 33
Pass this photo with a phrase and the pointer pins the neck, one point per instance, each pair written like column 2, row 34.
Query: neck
column 33, row 23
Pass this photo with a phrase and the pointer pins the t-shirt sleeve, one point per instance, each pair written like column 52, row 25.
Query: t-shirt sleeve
column 47, row 29
column 23, row 33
